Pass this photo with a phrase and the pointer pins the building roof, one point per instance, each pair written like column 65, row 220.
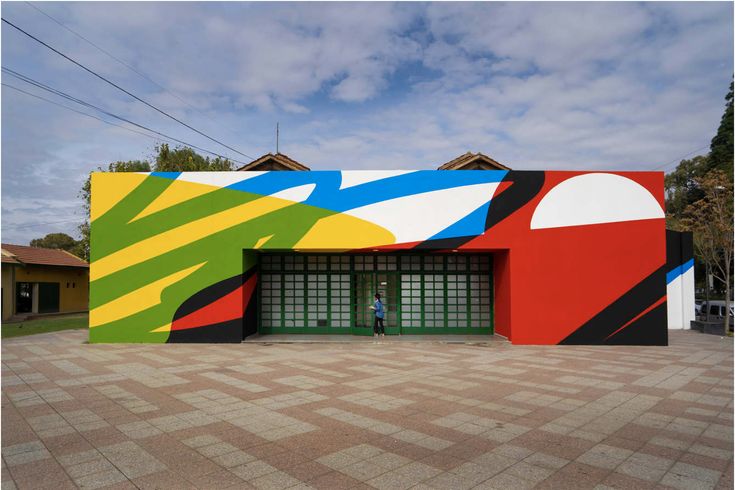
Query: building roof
column 473, row 161
column 21, row 254
column 269, row 161
column 8, row 258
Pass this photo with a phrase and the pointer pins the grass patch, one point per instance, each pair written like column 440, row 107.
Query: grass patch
column 44, row 325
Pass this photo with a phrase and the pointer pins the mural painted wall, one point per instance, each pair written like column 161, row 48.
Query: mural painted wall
column 580, row 258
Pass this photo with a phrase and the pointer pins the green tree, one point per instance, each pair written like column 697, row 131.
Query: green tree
column 184, row 159
column 711, row 220
column 60, row 241
column 721, row 148
column 682, row 189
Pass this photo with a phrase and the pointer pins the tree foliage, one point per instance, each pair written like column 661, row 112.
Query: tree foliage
column 180, row 159
column 699, row 198
column 184, row 159
column 682, row 189
column 60, row 241
column 721, row 149
column 711, row 220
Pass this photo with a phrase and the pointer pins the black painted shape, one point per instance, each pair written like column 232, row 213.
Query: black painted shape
column 673, row 250
column 624, row 309
column 525, row 185
column 250, row 318
column 645, row 330
column 211, row 294
column 225, row 332
column 444, row 243
column 207, row 296
column 687, row 246
column 679, row 248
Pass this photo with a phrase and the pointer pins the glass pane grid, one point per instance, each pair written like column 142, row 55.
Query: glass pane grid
column 432, row 291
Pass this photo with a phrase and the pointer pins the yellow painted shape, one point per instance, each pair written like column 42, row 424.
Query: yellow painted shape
column 165, row 328
column 178, row 192
column 137, row 301
column 184, row 235
column 262, row 241
column 344, row 232
column 108, row 189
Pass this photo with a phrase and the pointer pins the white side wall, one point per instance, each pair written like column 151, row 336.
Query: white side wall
column 680, row 300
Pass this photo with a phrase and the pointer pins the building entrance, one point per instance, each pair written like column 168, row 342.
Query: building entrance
column 332, row 294
column 366, row 285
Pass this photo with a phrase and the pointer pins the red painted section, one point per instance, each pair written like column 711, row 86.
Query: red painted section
column 562, row 277
column 502, row 287
column 575, row 272
column 500, row 188
column 228, row 307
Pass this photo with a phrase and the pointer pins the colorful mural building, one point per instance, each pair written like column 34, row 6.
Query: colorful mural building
column 537, row 257
column 38, row 281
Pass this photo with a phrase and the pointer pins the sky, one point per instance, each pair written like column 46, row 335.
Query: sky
column 549, row 86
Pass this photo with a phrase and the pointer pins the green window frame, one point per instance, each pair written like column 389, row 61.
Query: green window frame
column 317, row 293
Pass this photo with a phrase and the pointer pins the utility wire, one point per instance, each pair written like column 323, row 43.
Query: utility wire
column 122, row 89
column 92, row 106
column 79, row 112
column 41, row 224
column 677, row 160
column 64, row 95
column 126, row 65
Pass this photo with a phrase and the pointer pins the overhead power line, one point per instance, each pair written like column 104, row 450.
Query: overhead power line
column 677, row 160
column 71, row 98
column 79, row 112
column 18, row 227
column 106, row 80
column 126, row 65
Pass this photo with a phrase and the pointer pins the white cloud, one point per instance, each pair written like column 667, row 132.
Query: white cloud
column 368, row 85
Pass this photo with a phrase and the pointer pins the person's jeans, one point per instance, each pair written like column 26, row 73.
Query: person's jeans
column 378, row 326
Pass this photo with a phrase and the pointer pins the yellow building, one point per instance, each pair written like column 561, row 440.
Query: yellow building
column 42, row 281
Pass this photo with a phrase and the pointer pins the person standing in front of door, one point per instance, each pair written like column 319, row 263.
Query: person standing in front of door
column 378, row 327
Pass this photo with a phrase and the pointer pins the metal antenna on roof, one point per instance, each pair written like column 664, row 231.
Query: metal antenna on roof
column 277, row 135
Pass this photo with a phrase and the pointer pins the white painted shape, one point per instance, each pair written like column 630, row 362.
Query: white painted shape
column 418, row 217
column 687, row 298
column 594, row 199
column 351, row 178
column 297, row 194
column 674, row 304
column 680, row 301
column 218, row 179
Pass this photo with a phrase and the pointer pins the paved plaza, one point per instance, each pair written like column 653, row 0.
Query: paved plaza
column 391, row 415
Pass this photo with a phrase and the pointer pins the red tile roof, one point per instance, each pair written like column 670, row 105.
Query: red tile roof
column 40, row 256
column 8, row 258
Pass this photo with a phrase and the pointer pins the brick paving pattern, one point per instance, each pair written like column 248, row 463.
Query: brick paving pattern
column 390, row 415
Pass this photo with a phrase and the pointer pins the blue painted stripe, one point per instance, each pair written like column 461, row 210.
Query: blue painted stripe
column 678, row 271
column 328, row 195
column 166, row 175
column 472, row 224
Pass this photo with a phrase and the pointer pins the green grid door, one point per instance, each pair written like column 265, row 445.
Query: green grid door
column 422, row 294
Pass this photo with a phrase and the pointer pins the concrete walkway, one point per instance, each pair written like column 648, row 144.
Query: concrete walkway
column 387, row 415
column 353, row 339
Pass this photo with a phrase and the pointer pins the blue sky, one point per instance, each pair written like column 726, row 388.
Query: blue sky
column 361, row 86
